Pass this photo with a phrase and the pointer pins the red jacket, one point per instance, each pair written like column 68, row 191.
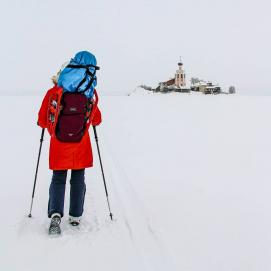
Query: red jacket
column 65, row 155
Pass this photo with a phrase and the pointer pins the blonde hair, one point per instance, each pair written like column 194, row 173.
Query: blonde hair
column 54, row 78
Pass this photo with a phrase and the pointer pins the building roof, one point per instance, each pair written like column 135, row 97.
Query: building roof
column 170, row 82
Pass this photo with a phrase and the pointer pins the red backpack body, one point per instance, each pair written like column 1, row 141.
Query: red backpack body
column 73, row 116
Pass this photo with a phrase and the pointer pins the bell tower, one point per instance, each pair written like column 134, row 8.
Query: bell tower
column 180, row 80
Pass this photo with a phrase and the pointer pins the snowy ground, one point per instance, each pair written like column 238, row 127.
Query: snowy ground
column 189, row 184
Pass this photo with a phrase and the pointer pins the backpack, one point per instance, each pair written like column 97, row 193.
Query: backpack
column 70, row 115
column 80, row 74
column 72, row 120
column 72, row 105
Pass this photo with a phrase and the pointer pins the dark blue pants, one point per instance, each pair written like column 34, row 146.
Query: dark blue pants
column 57, row 192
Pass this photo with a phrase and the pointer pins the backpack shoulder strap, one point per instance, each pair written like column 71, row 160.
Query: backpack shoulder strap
column 54, row 109
column 94, row 108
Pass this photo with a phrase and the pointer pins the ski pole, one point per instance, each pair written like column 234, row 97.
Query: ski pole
column 105, row 187
column 36, row 174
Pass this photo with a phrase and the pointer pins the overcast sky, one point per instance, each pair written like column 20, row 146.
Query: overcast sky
column 137, row 42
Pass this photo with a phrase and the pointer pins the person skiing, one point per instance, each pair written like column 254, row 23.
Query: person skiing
column 67, row 111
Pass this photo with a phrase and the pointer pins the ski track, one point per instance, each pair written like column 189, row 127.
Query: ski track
column 147, row 243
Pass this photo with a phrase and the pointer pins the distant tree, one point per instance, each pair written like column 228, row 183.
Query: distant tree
column 146, row 87
column 194, row 80
column 232, row 90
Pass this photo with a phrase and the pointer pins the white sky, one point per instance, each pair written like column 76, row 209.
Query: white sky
column 137, row 42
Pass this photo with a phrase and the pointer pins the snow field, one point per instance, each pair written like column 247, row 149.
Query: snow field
column 188, row 181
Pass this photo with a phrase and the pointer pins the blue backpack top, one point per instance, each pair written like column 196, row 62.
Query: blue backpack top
column 80, row 74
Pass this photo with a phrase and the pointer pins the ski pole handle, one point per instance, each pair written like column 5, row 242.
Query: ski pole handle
column 95, row 133
column 42, row 134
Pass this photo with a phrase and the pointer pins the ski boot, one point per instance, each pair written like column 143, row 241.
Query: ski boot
column 54, row 228
column 74, row 221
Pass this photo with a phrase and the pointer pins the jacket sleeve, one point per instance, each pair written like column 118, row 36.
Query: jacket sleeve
column 97, row 118
column 42, row 116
